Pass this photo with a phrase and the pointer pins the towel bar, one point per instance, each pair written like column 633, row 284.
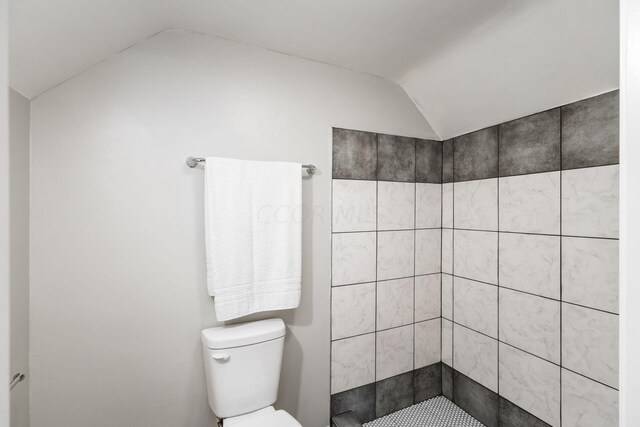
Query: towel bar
column 192, row 162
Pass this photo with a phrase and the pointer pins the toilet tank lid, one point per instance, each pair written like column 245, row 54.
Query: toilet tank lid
column 243, row 334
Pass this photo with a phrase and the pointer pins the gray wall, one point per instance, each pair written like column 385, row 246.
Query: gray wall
column 19, row 237
column 118, row 293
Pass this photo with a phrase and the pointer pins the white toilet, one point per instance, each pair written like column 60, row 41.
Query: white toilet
column 242, row 365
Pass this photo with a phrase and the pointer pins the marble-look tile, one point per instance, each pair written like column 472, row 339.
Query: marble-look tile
column 427, row 302
column 590, row 343
column 590, row 272
column 530, row 203
column 352, row 362
column 530, row 263
column 530, row 144
column 531, row 383
column 394, row 352
column 355, row 154
column 447, row 381
column 514, row 416
column 476, row 356
column 586, row 403
column 475, row 155
column 353, row 258
column 396, row 205
column 476, row 204
column 353, row 310
column 393, row 394
column 361, row 401
column 590, row 202
column 447, row 160
column 428, row 251
column 428, row 161
column 475, row 399
column 447, row 205
column 395, row 254
column 476, row 255
column 531, row 323
column 428, row 205
column 590, row 135
column 427, row 382
column 427, row 343
column 396, row 158
column 354, row 205
column 476, row 306
column 447, row 296
column 447, row 251
column 447, row 342
column 346, row 419
column 395, row 303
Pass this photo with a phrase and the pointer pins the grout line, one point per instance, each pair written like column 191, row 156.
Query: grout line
column 532, row 234
column 561, row 311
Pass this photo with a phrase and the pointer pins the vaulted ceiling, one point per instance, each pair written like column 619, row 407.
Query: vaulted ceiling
column 466, row 64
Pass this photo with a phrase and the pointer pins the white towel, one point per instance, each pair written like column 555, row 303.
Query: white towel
column 253, row 232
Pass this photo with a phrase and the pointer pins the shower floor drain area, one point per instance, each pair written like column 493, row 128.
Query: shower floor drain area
column 436, row 412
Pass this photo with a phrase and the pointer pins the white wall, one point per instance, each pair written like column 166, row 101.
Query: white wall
column 118, row 295
column 19, row 214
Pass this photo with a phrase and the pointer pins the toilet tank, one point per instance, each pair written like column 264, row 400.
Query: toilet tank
column 242, row 366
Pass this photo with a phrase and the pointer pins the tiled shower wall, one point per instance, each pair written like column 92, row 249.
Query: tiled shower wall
column 530, row 268
column 386, row 263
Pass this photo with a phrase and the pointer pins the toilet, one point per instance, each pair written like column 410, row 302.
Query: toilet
column 242, row 366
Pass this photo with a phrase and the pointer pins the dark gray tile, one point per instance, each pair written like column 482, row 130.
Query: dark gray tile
column 347, row 419
column 394, row 393
column 355, row 154
column 360, row 400
column 514, row 416
column 396, row 158
column 427, row 382
column 530, row 144
column 475, row 155
column 447, row 161
column 480, row 402
column 590, row 134
column 428, row 161
column 447, row 381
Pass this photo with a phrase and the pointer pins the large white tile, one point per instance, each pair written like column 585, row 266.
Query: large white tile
column 395, row 303
column 396, row 205
column 353, row 258
column 590, row 272
column 530, row 203
column 590, row 343
column 427, row 302
column 352, row 362
column 395, row 254
column 476, row 255
column 531, row 383
column 353, row 310
column 447, row 342
column 530, row 263
column 531, row 323
column 586, row 403
column 394, row 352
column 447, row 296
column 427, row 343
column 354, row 205
column 476, row 356
column 447, row 251
column 428, row 205
column 447, row 205
column 476, row 204
column 428, row 251
column 590, row 202
column 476, row 306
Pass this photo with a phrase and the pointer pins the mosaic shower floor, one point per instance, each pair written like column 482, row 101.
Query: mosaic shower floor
column 436, row 412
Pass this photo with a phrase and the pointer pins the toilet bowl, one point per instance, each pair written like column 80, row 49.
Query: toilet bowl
column 242, row 367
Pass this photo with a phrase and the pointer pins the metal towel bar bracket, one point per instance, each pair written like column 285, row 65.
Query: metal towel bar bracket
column 17, row 378
column 192, row 162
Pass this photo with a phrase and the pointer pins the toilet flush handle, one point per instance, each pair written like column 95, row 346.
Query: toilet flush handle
column 221, row 357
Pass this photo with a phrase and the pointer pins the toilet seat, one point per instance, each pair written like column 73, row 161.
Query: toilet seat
column 264, row 418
